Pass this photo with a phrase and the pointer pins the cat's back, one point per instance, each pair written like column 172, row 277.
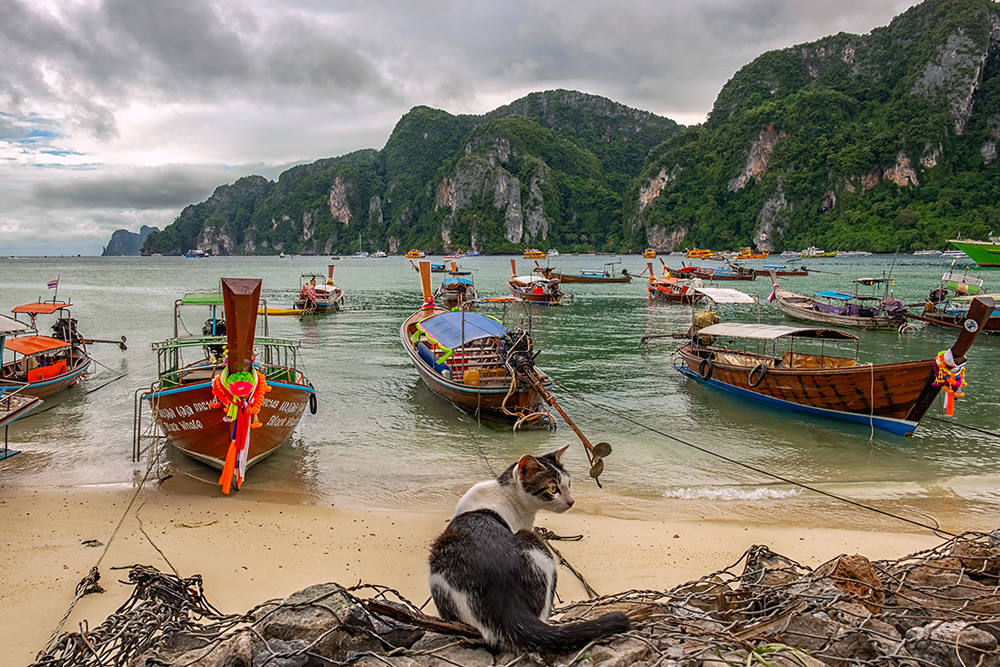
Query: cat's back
column 480, row 544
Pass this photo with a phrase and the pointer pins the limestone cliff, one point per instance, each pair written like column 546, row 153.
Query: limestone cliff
column 124, row 242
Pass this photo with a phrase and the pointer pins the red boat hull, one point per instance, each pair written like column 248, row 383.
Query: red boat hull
column 184, row 414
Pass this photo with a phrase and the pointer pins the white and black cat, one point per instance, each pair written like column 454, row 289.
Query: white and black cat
column 489, row 569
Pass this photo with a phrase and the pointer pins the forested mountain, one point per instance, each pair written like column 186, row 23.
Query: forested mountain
column 549, row 169
column 877, row 142
column 874, row 142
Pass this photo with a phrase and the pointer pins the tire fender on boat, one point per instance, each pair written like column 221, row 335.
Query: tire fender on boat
column 312, row 403
column 757, row 374
column 705, row 369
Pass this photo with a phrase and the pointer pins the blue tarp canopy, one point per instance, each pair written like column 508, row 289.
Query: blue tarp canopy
column 830, row 294
column 455, row 329
column 447, row 282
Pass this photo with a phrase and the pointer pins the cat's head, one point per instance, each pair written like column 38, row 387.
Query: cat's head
column 543, row 483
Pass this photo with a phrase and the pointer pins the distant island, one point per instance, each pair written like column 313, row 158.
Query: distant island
column 123, row 242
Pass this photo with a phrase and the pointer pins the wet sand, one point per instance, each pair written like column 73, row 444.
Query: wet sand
column 252, row 547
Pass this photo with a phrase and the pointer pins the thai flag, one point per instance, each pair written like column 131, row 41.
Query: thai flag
column 53, row 284
column 774, row 293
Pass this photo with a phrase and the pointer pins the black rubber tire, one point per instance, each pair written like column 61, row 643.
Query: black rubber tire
column 313, row 403
column 752, row 377
column 705, row 369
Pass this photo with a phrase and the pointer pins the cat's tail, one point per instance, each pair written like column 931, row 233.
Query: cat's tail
column 533, row 634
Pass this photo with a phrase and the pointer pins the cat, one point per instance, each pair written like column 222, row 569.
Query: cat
column 490, row 570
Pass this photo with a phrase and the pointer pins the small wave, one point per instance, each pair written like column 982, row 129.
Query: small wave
column 731, row 493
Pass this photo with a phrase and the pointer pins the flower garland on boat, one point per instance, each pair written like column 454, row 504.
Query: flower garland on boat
column 241, row 395
column 951, row 378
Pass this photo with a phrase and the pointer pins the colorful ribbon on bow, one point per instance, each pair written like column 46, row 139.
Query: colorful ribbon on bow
column 951, row 378
column 241, row 395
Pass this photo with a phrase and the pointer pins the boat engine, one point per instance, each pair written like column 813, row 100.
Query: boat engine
column 65, row 329
column 220, row 330
column 515, row 350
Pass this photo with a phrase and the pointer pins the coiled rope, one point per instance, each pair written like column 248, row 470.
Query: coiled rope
column 936, row 529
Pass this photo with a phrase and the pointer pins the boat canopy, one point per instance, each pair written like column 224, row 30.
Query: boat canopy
column 724, row 294
column 970, row 297
column 8, row 326
column 34, row 344
column 529, row 280
column 772, row 331
column 774, row 266
column 830, row 294
column 202, row 299
column 453, row 281
column 40, row 308
column 455, row 329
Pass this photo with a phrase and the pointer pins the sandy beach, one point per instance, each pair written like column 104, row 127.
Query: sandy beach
column 252, row 547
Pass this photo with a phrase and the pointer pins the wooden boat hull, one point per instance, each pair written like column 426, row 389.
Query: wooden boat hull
column 665, row 293
column 486, row 400
column 885, row 396
column 184, row 414
column 544, row 299
column 767, row 272
column 570, row 278
column 799, row 307
column 50, row 386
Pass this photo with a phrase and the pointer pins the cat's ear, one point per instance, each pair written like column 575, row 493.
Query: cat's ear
column 558, row 454
column 527, row 465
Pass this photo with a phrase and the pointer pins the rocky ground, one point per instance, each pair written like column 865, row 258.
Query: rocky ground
column 937, row 607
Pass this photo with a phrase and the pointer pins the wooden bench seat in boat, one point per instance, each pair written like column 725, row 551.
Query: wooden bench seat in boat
column 797, row 360
column 730, row 359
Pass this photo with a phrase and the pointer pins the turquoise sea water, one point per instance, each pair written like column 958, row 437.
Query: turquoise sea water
column 382, row 440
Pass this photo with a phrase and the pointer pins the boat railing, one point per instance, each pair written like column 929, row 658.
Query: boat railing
column 10, row 390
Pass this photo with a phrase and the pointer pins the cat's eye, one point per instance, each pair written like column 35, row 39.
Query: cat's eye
column 553, row 489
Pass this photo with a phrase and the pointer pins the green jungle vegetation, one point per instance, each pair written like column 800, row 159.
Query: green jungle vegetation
column 878, row 142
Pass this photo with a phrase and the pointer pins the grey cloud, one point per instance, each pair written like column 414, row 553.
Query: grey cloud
column 171, row 188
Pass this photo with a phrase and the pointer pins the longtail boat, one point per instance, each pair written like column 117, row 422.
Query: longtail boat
column 605, row 275
column 781, row 270
column 845, row 310
column 534, row 289
column 242, row 395
column 731, row 272
column 457, row 290
column 484, row 368
column 46, row 365
column 323, row 297
column 14, row 402
column 892, row 397
column 948, row 305
column 669, row 288
column 469, row 359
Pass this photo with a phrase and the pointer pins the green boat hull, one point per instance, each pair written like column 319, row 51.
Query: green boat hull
column 983, row 253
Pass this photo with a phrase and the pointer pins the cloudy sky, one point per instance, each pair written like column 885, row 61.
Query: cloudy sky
column 118, row 113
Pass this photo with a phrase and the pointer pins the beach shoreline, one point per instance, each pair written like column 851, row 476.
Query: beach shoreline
column 254, row 546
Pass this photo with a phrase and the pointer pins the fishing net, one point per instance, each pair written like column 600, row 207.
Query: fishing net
column 935, row 607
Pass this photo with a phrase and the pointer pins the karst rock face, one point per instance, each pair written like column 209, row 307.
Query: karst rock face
column 846, row 142
column 124, row 242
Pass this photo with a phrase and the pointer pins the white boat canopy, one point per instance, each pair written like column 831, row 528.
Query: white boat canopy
column 724, row 295
column 771, row 331
column 8, row 326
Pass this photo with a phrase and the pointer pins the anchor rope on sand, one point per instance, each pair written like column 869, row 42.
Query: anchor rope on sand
column 89, row 583
column 936, row 529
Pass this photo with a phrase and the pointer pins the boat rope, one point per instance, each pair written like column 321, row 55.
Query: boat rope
column 936, row 529
column 871, row 405
column 89, row 583
column 971, row 428
column 35, row 413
